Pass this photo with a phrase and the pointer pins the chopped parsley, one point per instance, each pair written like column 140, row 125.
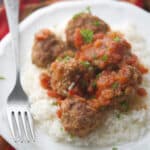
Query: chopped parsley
column 87, row 35
column 86, row 64
column 2, row 78
column 66, row 58
column 71, row 136
column 98, row 75
column 94, row 84
column 59, row 59
column 117, row 114
column 62, row 129
column 114, row 148
column 104, row 57
column 115, row 85
column 96, row 23
column 88, row 9
column 117, row 39
column 54, row 103
column 77, row 15
column 125, row 105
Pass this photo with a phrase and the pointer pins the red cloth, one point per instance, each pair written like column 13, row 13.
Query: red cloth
column 3, row 21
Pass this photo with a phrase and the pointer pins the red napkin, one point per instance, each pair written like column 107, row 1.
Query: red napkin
column 139, row 3
column 3, row 21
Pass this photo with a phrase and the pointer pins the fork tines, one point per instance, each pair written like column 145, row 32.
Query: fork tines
column 20, row 121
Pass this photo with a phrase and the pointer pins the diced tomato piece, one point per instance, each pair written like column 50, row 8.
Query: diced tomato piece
column 141, row 92
column 72, row 92
column 78, row 41
column 45, row 81
column 59, row 113
column 52, row 93
column 142, row 69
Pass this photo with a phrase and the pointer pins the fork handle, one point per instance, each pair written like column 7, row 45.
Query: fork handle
column 12, row 11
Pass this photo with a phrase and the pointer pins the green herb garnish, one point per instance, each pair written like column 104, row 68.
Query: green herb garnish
column 86, row 64
column 88, row 9
column 77, row 15
column 54, row 103
column 115, row 85
column 59, row 59
column 96, row 23
column 125, row 105
column 71, row 136
column 114, row 148
column 104, row 57
column 87, row 35
column 98, row 75
column 118, row 114
column 66, row 58
column 2, row 78
column 62, row 129
column 117, row 39
column 94, row 84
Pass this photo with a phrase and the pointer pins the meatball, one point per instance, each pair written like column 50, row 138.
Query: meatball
column 69, row 75
column 63, row 74
column 84, row 21
column 117, row 88
column 46, row 48
column 107, row 51
column 79, row 118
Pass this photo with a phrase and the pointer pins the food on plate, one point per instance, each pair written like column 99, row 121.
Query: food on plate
column 69, row 76
column 94, row 82
column 78, row 117
column 115, row 88
column 46, row 48
column 101, row 74
column 81, row 28
column 106, row 51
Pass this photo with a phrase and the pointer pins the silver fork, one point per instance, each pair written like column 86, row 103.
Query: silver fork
column 19, row 117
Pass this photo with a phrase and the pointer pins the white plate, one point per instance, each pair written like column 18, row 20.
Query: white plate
column 112, row 12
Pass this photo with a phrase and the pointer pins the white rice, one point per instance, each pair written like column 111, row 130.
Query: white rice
column 131, row 126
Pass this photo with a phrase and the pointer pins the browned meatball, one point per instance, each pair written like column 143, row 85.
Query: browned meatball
column 79, row 118
column 84, row 21
column 46, row 48
column 68, row 74
column 117, row 88
column 63, row 74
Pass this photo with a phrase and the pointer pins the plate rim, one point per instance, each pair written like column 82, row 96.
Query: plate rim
column 52, row 7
